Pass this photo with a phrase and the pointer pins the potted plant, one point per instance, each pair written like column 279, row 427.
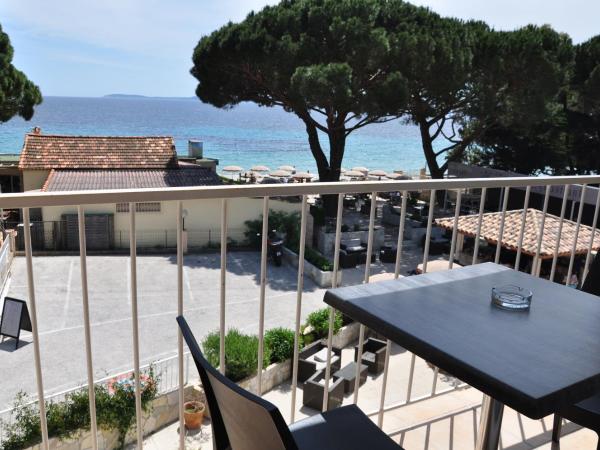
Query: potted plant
column 193, row 414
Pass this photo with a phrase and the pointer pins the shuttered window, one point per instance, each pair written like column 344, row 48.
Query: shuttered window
column 139, row 207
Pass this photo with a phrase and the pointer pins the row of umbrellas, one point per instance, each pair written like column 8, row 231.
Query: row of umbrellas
column 287, row 171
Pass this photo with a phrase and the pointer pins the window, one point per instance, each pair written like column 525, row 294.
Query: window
column 139, row 207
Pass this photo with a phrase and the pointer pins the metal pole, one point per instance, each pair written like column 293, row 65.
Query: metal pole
column 300, row 287
column 488, row 435
column 428, row 234
column 222, row 291
column 86, row 326
column 455, row 229
column 535, row 269
column 263, row 282
column 588, row 258
column 336, row 265
column 479, row 222
column 34, row 328
column 400, row 234
column 558, row 235
column 502, row 222
column 180, row 313
column 576, row 237
column 522, row 231
column 134, row 326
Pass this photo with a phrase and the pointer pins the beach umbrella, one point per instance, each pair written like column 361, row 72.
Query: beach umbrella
column 232, row 169
column 260, row 168
column 397, row 176
column 362, row 169
column 354, row 174
column 378, row 173
column 280, row 173
column 303, row 176
column 291, row 169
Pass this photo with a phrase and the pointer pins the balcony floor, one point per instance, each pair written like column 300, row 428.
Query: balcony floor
column 456, row 432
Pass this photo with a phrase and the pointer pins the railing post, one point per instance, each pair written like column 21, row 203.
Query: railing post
column 588, row 257
column 263, row 284
column 86, row 325
column 400, row 242
column 576, row 237
column 479, row 222
column 223, row 286
column 428, row 233
column 558, row 234
column 180, row 313
column 299, row 290
column 502, row 222
column 34, row 328
column 455, row 229
column 134, row 323
column 522, row 230
column 336, row 265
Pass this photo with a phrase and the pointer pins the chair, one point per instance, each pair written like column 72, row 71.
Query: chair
column 373, row 355
column 244, row 421
column 313, row 358
column 314, row 387
column 587, row 412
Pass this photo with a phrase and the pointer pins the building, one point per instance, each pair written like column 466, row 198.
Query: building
column 57, row 163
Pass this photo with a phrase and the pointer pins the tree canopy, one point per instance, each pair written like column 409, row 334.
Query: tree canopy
column 18, row 95
column 343, row 64
column 327, row 61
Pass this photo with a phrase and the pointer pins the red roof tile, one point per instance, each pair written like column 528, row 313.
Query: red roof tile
column 82, row 180
column 46, row 151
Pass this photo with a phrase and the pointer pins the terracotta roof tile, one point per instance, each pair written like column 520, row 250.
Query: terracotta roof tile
column 82, row 180
column 490, row 231
column 46, row 151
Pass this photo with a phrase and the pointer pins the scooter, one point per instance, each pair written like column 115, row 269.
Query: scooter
column 275, row 247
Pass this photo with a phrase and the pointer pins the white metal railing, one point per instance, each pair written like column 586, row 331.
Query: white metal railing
column 305, row 190
column 6, row 255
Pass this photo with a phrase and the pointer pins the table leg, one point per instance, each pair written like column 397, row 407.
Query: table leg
column 488, row 435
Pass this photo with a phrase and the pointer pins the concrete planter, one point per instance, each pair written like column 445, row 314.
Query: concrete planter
column 321, row 278
column 164, row 411
column 272, row 376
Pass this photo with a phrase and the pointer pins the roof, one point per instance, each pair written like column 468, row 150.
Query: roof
column 47, row 151
column 83, row 180
column 490, row 230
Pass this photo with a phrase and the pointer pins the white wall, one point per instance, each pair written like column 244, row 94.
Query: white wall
column 203, row 221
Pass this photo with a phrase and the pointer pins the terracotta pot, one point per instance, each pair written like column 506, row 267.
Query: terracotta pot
column 193, row 414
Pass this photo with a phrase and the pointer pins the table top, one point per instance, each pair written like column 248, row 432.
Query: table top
column 349, row 371
column 534, row 361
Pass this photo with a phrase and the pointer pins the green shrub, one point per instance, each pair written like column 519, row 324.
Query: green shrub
column 281, row 221
column 241, row 353
column 280, row 342
column 115, row 408
column 319, row 321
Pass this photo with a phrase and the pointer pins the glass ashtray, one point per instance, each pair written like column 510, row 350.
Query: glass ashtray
column 511, row 297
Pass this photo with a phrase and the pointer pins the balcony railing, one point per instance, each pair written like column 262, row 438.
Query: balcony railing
column 506, row 186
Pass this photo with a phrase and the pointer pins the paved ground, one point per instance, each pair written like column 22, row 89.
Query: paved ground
column 58, row 293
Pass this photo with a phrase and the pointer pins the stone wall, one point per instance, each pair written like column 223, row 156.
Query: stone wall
column 321, row 278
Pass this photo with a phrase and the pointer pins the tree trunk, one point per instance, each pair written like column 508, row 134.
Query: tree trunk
column 435, row 170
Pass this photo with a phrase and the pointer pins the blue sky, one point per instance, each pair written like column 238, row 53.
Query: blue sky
column 98, row 47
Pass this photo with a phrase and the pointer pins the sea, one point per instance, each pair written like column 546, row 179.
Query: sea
column 245, row 135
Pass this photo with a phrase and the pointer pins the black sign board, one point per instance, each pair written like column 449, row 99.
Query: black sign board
column 15, row 317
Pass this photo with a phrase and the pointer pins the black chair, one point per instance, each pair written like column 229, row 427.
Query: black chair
column 373, row 355
column 587, row 412
column 244, row 421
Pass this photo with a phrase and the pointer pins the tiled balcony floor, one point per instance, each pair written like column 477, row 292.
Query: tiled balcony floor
column 457, row 432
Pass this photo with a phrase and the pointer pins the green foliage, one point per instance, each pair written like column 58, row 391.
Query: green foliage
column 115, row 407
column 241, row 353
column 280, row 221
column 319, row 321
column 18, row 95
column 280, row 341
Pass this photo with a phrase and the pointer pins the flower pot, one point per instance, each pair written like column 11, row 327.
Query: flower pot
column 193, row 414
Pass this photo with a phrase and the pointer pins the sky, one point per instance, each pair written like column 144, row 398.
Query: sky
column 90, row 48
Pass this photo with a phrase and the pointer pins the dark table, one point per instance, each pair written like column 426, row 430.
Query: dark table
column 348, row 374
column 535, row 361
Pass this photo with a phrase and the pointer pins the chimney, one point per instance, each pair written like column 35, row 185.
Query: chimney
column 195, row 149
column 37, row 130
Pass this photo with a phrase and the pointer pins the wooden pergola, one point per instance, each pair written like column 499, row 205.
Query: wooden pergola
column 490, row 232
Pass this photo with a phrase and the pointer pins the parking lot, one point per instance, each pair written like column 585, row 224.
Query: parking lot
column 60, row 318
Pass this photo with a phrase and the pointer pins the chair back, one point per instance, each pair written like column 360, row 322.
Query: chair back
column 591, row 284
column 240, row 419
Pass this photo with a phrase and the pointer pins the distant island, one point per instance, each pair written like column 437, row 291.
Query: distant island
column 131, row 96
